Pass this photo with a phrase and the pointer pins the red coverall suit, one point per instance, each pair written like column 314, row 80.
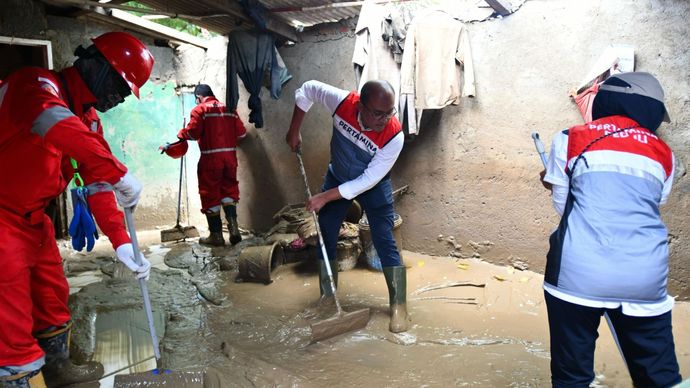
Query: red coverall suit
column 217, row 132
column 37, row 132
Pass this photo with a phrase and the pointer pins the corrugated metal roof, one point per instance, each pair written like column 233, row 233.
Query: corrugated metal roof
column 223, row 16
column 309, row 17
column 277, row 8
column 214, row 19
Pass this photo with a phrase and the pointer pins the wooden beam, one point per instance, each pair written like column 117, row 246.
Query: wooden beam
column 127, row 20
column 273, row 24
column 105, row 17
column 285, row 30
column 503, row 7
column 166, row 32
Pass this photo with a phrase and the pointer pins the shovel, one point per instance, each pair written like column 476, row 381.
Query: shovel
column 179, row 232
column 158, row 377
column 342, row 322
column 144, row 288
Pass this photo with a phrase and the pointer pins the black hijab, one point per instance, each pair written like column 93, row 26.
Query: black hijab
column 646, row 111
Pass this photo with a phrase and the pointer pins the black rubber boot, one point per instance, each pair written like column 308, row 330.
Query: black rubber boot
column 233, row 225
column 215, row 226
column 396, row 280
column 24, row 380
column 59, row 371
column 324, row 282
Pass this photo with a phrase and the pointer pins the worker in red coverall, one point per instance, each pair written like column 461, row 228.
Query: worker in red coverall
column 46, row 117
column 218, row 132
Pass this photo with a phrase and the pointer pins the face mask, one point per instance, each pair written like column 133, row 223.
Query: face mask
column 109, row 88
column 112, row 92
column 108, row 102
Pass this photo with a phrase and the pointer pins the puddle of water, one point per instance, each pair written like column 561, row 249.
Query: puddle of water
column 123, row 339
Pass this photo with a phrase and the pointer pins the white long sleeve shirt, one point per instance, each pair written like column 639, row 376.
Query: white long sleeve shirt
column 385, row 154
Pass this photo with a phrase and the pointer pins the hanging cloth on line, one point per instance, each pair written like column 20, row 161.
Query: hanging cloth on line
column 253, row 56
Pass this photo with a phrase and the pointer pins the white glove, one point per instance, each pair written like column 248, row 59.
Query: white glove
column 125, row 253
column 127, row 191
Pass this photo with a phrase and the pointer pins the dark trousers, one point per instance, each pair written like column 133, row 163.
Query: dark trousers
column 646, row 342
column 377, row 203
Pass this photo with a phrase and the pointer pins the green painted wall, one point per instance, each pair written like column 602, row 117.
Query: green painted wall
column 136, row 128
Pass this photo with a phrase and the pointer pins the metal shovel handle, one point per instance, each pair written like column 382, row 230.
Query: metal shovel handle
column 179, row 192
column 142, row 284
column 322, row 244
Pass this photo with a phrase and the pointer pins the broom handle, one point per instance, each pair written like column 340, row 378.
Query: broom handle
column 179, row 189
column 142, row 284
column 540, row 148
column 322, row 245
column 179, row 192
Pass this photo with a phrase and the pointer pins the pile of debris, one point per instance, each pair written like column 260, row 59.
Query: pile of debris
column 293, row 238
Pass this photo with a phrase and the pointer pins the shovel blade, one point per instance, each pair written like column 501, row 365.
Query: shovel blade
column 150, row 379
column 166, row 378
column 190, row 231
column 339, row 324
column 179, row 233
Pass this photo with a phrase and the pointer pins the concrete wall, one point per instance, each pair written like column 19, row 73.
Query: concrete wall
column 473, row 172
column 23, row 19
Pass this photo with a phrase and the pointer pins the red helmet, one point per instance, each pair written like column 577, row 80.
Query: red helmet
column 175, row 150
column 128, row 56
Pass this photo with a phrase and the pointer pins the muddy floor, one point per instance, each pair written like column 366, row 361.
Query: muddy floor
column 474, row 323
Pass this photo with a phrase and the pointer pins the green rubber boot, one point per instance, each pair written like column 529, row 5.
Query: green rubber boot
column 396, row 280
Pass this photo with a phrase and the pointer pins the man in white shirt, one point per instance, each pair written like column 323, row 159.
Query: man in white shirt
column 365, row 144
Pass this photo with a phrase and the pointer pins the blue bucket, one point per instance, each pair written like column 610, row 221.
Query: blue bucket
column 372, row 257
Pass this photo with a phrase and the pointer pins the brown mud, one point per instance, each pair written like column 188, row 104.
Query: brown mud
column 473, row 323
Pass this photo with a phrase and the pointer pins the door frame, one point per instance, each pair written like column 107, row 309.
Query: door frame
column 46, row 44
column 57, row 209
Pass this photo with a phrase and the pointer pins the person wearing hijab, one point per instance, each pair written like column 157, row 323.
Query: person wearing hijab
column 609, row 254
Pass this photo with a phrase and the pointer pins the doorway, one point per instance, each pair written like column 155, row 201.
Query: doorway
column 19, row 52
